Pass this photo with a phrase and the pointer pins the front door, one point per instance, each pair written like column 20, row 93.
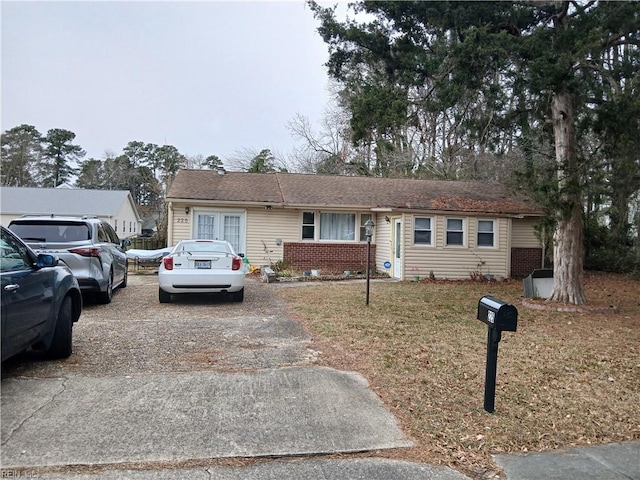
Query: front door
column 397, row 248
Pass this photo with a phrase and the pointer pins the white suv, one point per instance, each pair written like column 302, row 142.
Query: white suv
column 87, row 245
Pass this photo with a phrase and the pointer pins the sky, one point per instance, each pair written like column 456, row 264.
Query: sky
column 210, row 77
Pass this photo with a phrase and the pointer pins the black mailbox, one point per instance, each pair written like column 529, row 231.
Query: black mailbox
column 498, row 314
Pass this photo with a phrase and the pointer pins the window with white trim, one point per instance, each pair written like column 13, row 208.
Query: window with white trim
column 221, row 226
column 337, row 226
column 422, row 230
column 455, row 231
column 334, row 226
column 486, row 233
column 308, row 226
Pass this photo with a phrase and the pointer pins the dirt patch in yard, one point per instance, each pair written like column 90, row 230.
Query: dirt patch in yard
column 565, row 378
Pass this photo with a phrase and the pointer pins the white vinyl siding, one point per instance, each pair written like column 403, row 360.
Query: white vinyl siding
column 458, row 262
column 523, row 233
column 264, row 227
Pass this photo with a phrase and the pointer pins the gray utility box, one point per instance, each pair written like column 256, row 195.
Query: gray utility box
column 539, row 284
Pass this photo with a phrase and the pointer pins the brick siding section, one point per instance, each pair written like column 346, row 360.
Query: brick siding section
column 328, row 256
column 524, row 261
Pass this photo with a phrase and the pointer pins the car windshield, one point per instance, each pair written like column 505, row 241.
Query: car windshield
column 51, row 232
column 208, row 247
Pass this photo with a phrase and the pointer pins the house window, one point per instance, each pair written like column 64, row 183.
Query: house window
column 486, row 233
column 308, row 226
column 455, row 231
column 232, row 230
column 364, row 217
column 206, row 227
column 221, row 226
column 422, row 231
column 337, row 226
column 115, row 223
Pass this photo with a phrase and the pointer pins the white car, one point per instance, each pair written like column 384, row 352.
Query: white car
column 202, row 266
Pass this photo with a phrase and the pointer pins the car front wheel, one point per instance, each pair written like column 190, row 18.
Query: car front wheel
column 163, row 296
column 62, row 336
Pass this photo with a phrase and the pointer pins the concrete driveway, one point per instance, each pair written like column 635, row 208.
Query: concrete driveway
column 168, row 390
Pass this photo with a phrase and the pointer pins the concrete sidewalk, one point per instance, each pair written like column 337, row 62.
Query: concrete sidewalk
column 104, row 425
column 186, row 416
column 620, row 461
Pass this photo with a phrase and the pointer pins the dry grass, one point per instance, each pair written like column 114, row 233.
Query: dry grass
column 564, row 379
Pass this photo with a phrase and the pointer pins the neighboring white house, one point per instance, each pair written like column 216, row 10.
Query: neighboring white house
column 114, row 206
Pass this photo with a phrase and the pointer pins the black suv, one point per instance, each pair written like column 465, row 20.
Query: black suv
column 87, row 245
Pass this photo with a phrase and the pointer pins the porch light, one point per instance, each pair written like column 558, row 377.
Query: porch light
column 368, row 229
column 368, row 232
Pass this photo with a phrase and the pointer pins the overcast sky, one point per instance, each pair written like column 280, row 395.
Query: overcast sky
column 206, row 77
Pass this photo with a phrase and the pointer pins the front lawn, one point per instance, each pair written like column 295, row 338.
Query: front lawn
column 564, row 378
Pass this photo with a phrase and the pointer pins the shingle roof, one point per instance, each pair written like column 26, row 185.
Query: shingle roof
column 61, row 201
column 292, row 189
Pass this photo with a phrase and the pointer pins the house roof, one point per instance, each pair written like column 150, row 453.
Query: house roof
column 300, row 190
column 63, row 201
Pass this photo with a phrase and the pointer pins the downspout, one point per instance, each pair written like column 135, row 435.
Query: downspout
column 169, row 224
column 509, row 245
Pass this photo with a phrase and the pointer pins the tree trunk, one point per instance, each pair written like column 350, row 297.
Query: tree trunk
column 568, row 248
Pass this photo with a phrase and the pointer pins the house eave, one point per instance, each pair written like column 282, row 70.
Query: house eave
column 377, row 209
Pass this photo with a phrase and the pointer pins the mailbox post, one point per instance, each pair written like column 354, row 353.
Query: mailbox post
column 499, row 316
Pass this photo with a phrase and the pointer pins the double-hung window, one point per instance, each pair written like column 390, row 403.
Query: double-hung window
column 486, row 234
column 422, row 231
column 455, row 231
column 308, row 226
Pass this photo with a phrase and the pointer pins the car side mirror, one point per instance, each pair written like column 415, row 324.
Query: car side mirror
column 126, row 243
column 45, row 260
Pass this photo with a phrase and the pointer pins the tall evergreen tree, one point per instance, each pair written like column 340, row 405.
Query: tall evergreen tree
column 515, row 58
column 21, row 152
column 59, row 155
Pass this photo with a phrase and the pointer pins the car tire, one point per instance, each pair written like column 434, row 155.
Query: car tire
column 107, row 296
column 61, row 344
column 126, row 276
column 164, row 297
column 238, row 296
